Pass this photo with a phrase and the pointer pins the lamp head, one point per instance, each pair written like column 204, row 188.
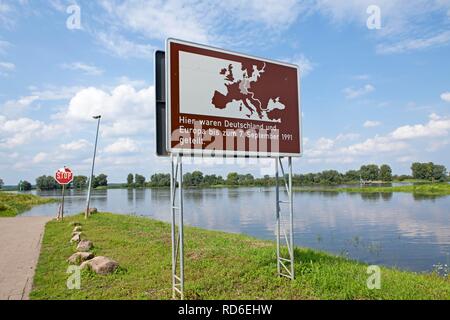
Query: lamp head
column 97, row 117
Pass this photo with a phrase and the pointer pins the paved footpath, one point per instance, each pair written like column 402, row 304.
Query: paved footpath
column 20, row 243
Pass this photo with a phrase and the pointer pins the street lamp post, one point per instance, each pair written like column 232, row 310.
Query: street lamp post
column 88, row 199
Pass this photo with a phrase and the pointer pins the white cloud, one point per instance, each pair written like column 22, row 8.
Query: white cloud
column 121, row 103
column 123, row 48
column 395, row 141
column 10, row 11
column 436, row 127
column 162, row 19
column 396, row 16
column 445, row 96
column 406, row 27
column 3, row 46
column 121, row 146
column 327, row 150
column 75, row 145
column 320, row 148
column 53, row 93
column 19, row 106
column 58, row 5
column 20, row 103
column 40, row 157
column 347, row 137
column 376, row 145
column 353, row 93
column 361, row 77
column 343, row 10
column 4, row 8
column 18, row 125
column 129, row 126
column 85, row 68
column 405, row 159
column 401, row 142
column 125, row 110
column 435, row 40
column 5, row 11
column 6, row 67
column 438, row 145
column 132, row 82
column 273, row 13
column 15, row 132
column 371, row 124
column 305, row 65
column 236, row 22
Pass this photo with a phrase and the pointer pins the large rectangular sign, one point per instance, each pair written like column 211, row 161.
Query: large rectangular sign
column 225, row 103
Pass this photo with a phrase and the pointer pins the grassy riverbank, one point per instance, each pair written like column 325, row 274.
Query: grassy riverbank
column 13, row 204
column 217, row 266
column 430, row 189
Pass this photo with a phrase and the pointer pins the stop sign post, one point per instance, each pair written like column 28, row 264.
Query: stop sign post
column 63, row 176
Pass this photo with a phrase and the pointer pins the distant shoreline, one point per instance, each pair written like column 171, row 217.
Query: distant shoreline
column 419, row 188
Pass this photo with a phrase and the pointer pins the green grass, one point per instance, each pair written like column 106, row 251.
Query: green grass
column 430, row 189
column 13, row 204
column 217, row 266
column 410, row 181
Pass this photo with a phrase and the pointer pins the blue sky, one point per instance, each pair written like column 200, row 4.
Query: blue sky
column 368, row 95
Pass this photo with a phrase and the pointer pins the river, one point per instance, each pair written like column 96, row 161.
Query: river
column 398, row 229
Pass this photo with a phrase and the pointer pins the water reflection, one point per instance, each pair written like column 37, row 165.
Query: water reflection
column 398, row 229
column 130, row 195
column 371, row 196
column 386, row 196
column 419, row 197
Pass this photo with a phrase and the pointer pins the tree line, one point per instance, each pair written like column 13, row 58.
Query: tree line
column 429, row 171
column 369, row 173
column 366, row 173
column 79, row 182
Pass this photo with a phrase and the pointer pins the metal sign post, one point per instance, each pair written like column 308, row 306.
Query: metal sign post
column 285, row 225
column 63, row 176
column 62, row 202
column 176, row 200
column 88, row 198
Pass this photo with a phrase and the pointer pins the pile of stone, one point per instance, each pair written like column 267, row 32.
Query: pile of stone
column 85, row 258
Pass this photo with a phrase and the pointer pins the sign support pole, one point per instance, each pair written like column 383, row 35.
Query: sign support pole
column 284, row 228
column 62, row 203
column 176, row 200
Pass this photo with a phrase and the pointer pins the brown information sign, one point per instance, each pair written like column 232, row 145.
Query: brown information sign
column 225, row 103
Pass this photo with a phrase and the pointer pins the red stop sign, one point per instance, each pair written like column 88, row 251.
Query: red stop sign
column 64, row 176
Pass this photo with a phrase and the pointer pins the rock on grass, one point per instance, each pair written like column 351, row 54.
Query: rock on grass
column 75, row 238
column 101, row 265
column 85, row 245
column 80, row 257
